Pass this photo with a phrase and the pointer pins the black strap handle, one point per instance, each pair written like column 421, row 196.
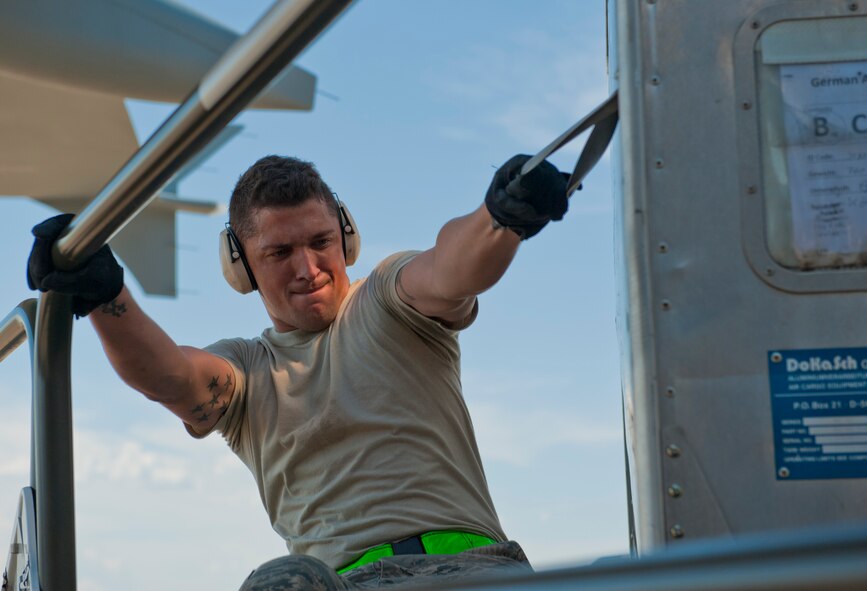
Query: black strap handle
column 603, row 119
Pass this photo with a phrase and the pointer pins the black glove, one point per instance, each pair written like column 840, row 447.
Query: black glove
column 97, row 282
column 525, row 205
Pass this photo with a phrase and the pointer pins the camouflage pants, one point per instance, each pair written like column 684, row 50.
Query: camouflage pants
column 291, row 573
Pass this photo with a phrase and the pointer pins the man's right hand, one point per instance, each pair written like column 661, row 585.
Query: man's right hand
column 97, row 282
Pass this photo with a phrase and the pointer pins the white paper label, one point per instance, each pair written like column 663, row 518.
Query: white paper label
column 826, row 135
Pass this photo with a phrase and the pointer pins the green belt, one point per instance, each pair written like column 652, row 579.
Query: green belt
column 433, row 542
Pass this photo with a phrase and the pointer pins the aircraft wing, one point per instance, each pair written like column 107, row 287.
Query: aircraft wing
column 59, row 142
column 66, row 67
column 60, row 145
column 145, row 49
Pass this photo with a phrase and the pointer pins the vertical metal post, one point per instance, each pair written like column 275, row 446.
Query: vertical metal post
column 52, row 434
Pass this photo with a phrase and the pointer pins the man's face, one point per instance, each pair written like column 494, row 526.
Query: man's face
column 296, row 255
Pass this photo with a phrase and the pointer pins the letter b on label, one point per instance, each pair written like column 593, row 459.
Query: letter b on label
column 820, row 126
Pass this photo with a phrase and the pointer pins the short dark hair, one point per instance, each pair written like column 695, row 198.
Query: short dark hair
column 275, row 181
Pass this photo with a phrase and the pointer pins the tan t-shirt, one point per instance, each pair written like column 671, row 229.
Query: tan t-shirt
column 358, row 434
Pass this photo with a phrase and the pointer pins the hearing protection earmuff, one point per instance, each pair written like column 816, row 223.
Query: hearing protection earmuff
column 240, row 277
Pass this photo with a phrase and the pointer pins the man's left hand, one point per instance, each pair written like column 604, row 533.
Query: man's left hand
column 526, row 203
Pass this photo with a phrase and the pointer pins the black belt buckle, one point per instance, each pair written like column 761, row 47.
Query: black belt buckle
column 411, row 545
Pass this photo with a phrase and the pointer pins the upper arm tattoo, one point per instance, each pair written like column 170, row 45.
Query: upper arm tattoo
column 219, row 402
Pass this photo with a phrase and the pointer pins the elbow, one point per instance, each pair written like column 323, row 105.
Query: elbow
column 458, row 293
column 167, row 390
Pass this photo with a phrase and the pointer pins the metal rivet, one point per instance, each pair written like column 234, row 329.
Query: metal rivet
column 769, row 272
column 746, row 105
column 666, row 305
column 751, row 190
column 654, row 80
column 672, row 451
column 676, row 531
column 853, row 6
column 776, row 357
column 669, row 392
column 663, row 247
column 675, row 491
column 783, row 472
column 755, row 24
column 659, row 163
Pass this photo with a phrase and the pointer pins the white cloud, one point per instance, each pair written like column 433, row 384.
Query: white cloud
column 533, row 91
column 14, row 461
column 15, row 442
column 516, row 435
column 150, row 495
column 103, row 457
column 14, row 466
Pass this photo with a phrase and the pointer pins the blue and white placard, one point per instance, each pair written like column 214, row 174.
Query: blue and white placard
column 819, row 404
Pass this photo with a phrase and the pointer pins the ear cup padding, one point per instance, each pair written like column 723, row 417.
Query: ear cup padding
column 351, row 237
column 233, row 265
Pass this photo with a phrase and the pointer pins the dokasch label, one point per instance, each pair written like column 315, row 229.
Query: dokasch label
column 822, row 364
column 819, row 404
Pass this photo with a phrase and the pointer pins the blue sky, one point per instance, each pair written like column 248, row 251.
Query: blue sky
column 431, row 96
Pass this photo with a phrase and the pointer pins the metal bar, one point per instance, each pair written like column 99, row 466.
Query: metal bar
column 17, row 327
column 52, row 432
column 818, row 560
column 231, row 85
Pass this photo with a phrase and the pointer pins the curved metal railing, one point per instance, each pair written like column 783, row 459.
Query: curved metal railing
column 234, row 81
column 17, row 327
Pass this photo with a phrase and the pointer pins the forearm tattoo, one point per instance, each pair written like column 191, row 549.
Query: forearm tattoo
column 219, row 402
column 115, row 308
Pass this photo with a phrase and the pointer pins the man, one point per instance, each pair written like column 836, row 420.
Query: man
column 348, row 410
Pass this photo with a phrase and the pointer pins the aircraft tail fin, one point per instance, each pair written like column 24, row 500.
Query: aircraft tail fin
column 147, row 247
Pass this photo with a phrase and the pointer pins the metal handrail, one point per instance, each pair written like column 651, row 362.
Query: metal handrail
column 15, row 330
column 811, row 559
column 52, row 436
column 231, row 84
column 17, row 327
column 243, row 72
